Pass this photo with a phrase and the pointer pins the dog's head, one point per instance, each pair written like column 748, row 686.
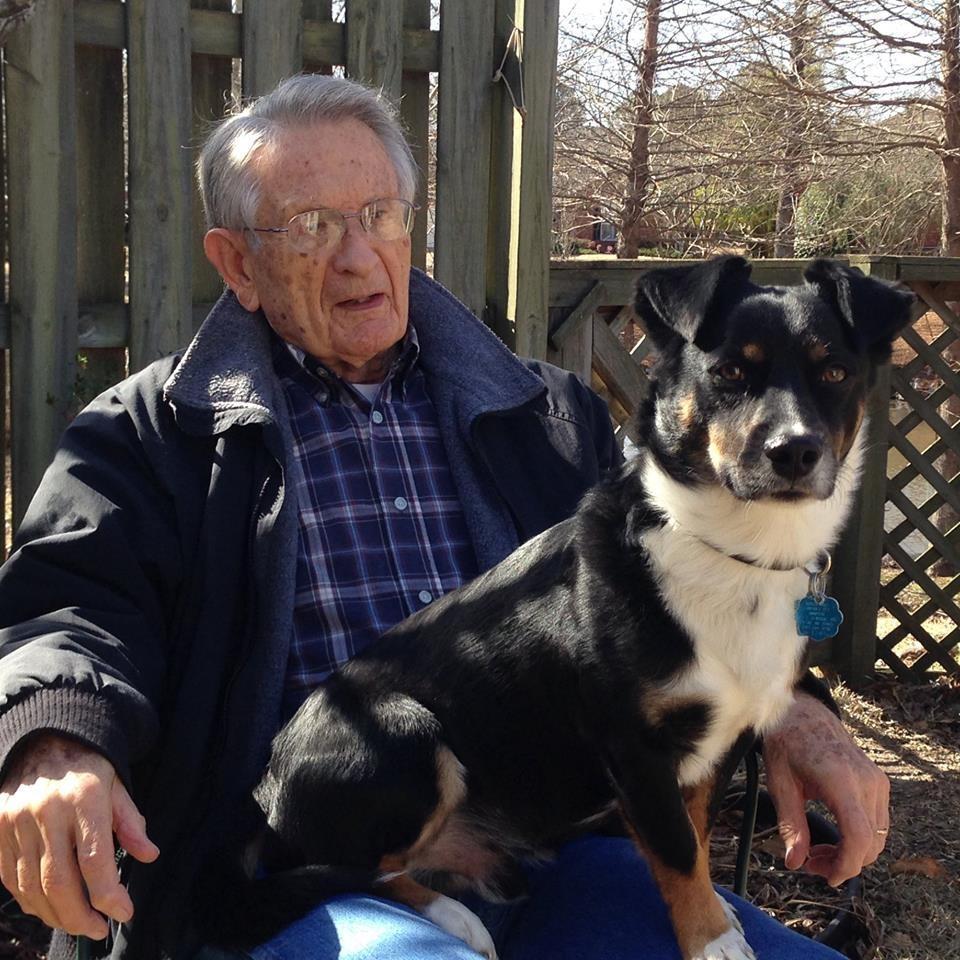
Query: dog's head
column 763, row 389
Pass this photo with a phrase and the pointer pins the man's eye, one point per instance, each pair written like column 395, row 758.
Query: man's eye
column 731, row 371
column 834, row 374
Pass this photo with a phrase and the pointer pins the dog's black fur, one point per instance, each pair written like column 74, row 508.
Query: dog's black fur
column 537, row 676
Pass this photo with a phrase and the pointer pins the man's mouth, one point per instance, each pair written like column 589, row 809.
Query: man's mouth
column 362, row 303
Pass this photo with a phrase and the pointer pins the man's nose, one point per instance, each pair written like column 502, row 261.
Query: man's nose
column 354, row 253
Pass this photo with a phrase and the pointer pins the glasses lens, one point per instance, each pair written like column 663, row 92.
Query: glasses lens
column 388, row 219
column 316, row 228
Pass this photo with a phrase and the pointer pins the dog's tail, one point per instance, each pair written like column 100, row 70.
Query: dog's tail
column 236, row 911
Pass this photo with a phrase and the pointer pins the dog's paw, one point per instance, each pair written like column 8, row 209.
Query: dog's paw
column 457, row 920
column 731, row 912
column 728, row 946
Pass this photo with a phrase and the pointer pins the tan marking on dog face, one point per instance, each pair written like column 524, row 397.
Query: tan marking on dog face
column 818, row 352
column 687, row 411
column 843, row 441
column 753, row 352
column 723, row 445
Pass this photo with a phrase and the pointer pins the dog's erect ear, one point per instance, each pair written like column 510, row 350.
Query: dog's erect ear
column 675, row 301
column 876, row 310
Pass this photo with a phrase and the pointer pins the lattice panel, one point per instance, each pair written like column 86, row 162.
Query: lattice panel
column 918, row 623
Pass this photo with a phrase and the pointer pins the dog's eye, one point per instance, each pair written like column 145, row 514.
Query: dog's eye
column 732, row 371
column 834, row 374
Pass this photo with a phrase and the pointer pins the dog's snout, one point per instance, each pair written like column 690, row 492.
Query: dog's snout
column 794, row 456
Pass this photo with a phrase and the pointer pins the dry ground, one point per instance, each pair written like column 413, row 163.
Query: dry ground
column 911, row 904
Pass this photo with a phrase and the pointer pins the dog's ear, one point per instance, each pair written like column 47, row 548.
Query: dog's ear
column 675, row 301
column 876, row 310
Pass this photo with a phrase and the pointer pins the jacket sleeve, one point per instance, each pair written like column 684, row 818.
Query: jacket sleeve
column 88, row 592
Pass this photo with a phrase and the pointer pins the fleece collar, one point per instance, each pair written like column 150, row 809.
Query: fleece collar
column 225, row 377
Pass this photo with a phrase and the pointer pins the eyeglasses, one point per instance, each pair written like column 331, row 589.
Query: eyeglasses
column 313, row 230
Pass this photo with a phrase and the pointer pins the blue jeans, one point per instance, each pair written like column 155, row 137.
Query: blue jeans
column 596, row 900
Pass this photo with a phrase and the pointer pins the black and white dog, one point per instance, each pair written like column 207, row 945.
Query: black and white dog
column 613, row 665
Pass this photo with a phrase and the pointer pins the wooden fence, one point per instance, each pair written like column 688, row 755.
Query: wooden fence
column 105, row 101
column 896, row 567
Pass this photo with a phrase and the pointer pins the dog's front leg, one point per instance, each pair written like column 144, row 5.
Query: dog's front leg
column 673, row 837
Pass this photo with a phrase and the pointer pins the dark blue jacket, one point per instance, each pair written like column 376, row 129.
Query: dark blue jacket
column 146, row 608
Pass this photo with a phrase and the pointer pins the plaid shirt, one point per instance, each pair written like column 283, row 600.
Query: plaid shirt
column 382, row 531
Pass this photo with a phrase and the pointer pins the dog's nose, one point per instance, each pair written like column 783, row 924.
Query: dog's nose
column 795, row 456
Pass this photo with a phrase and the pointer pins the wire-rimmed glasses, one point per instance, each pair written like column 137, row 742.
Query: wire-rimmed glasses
column 387, row 218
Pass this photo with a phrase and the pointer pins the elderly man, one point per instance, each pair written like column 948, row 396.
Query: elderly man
column 339, row 445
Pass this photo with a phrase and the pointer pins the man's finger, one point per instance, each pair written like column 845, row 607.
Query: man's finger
column 791, row 819
column 98, row 867
column 63, row 888
column 130, row 826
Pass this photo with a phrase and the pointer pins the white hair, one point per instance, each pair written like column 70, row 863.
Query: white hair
column 229, row 185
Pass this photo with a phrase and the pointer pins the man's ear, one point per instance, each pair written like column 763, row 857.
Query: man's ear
column 875, row 310
column 228, row 251
column 673, row 302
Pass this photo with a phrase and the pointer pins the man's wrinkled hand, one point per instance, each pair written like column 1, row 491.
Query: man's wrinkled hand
column 811, row 756
column 61, row 804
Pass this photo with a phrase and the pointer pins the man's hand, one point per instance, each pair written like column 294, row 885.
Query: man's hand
column 812, row 757
column 60, row 806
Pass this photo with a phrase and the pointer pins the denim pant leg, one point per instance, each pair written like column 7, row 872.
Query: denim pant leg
column 356, row 928
column 597, row 901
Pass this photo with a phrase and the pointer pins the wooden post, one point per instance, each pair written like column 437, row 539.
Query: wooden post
column 272, row 44
column 101, row 258
column 856, row 558
column 322, row 12
column 210, row 81
column 375, row 44
column 463, row 149
column 41, row 132
column 415, row 112
column 541, row 29
column 158, row 71
column 507, row 135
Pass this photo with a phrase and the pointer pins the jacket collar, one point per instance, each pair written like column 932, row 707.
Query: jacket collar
column 226, row 377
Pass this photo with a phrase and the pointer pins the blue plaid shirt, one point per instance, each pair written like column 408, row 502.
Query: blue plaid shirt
column 382, row 531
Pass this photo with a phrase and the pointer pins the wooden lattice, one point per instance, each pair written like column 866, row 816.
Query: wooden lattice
column 918, row 624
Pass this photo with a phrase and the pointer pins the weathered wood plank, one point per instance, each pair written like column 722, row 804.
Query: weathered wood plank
column 100, row 204
column 220, row 34
column 463, row 149
column 210, row 80
column 415, row 113
column 42, row 181
column 624, row 378
column 272, row 44
column 582, row 311
column 158, row 70
column 856, row 558
column 506, row 134
column 375, row 44
column 318, row 13
column 541, row 19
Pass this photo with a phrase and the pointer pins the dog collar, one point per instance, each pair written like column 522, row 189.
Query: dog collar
column 818, row 567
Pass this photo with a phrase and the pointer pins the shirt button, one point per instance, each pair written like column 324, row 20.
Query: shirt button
column 425, row 596
column 400, row 503
column 376, row 416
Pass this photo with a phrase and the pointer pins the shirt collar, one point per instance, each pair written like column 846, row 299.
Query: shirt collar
column 332, row 386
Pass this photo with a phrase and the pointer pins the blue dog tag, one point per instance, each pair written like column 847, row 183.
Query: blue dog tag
column 817, row 615
column 818, row 619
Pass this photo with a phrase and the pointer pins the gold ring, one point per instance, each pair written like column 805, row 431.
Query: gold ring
column 883, row 832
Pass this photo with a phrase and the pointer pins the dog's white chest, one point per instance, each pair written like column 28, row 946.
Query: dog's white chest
column 746, row 647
